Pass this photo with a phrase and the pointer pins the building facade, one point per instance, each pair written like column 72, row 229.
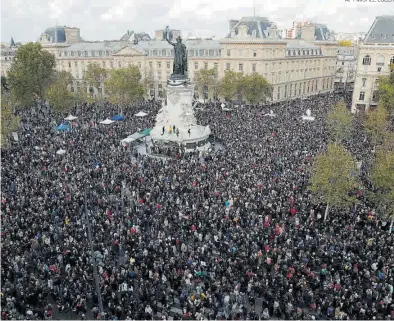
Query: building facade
column 295, row 67
column 7, row 55
column 375, row 54
column 346, row 68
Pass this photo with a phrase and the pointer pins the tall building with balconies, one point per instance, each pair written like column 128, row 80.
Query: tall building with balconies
column 295, row 68
column 375, row 54
column 346, row 68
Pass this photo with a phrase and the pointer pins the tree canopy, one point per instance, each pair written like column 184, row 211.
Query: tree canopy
column 124, row 86
column 205, row 78
column 58, row 94
column 256, row 88
column 334, row 177
column 230, row 84
column 4, row 85
column 9, row 122
column 376, row 125
column 382, row 178
column 95, row 75
column 386, row 92
column 30, row 73
column 339, row 122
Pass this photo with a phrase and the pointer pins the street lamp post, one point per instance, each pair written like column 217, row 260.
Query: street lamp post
column 95, row 272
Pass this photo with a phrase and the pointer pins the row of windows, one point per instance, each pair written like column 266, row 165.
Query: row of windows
column 190, row 52
column 156, row 53
column 215, row 65
column 109, row 64
column 8, row 53
column 159, row 64
column 305, row 87
column 85, row 53
column 293, row 72
column 362, row 96
column 379, row 60
column 289, row 52
column 304, row 52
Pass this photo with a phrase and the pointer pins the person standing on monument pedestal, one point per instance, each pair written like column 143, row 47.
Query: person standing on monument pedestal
column 180, row 56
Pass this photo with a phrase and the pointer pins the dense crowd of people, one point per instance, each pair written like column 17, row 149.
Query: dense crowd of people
column 230, row 235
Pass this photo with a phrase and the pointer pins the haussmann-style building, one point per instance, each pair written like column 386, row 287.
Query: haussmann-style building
column 375, row 54
column 296, row 68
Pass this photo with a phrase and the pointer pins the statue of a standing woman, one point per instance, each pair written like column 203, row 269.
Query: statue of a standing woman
column 180, row 56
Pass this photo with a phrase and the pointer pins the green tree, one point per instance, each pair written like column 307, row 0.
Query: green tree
column 58, row 94
column 4, row 85
column 149, row 81
column 256, row 88
column 339, row 122
column 94, row 76
column 30, row 73
column 9, row 122
column 81, row 94
column 382, row 178
column 376, row 124
column 386, row 92
column 231, row 84
column 334, row 177
column 124, row 86
column 205, row 78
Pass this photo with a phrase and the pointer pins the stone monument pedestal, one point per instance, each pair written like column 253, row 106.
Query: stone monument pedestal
column 176, row 125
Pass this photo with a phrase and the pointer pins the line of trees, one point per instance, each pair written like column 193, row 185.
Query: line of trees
column 33, row 76
column 335, row 175
column 253, row 87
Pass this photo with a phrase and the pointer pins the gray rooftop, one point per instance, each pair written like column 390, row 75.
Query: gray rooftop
column 381, row 31
column 257, row 25
column 190, row 44
column 321, row 33
column 134, row 36
column 300, row 44
column 93, row 46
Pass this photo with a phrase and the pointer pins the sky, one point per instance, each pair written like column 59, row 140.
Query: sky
column 25, row 20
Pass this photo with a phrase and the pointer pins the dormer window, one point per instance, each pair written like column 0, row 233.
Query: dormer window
column 383, row 36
